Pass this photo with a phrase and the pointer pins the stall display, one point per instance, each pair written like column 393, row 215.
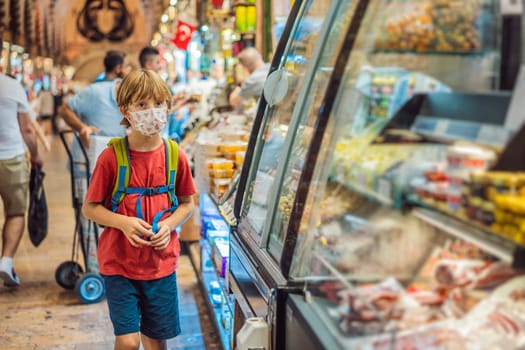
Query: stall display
column 392, row 219
column 213, row 261
column 218, row 153
column 426, row 26
column 217, row 145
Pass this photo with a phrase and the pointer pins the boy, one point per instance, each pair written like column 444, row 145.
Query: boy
column 138, row 257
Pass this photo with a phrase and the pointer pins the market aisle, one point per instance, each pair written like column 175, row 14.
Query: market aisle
column 42, row 315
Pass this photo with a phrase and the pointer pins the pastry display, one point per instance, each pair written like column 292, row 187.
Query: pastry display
column 218, row 154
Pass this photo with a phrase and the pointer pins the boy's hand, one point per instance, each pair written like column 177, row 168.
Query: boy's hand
column 162, row 238
column 136, row 231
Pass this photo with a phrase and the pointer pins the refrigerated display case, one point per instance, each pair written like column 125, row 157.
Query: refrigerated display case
column 292, row 79
column 391, row 212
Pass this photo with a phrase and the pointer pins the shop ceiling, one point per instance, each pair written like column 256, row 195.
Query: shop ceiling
column 73, row 32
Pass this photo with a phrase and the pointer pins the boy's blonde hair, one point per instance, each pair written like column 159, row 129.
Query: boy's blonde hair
column 139, row 85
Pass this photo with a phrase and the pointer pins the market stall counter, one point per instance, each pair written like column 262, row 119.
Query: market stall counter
column 393, row 215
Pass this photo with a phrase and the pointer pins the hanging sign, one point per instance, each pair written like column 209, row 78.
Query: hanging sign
column 183, row 34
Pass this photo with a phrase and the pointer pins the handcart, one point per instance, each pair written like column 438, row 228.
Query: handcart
column 87, row 282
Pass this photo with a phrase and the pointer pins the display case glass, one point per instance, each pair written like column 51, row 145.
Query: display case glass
column 284, row 88
column 302, row 127
column 409, row 237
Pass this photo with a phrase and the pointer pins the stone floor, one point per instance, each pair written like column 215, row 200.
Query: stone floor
column 40, row 314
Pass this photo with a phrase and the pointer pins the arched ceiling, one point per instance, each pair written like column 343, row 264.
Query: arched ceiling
column 75, row 32
column 101, row 25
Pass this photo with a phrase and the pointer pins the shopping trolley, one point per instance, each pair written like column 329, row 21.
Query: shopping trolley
column 87, row 282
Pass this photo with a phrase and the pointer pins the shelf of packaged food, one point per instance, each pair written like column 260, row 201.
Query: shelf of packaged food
column 208, row 280
column 217, row 311
column 499, row 236
column 206, row 246
column 492, row 243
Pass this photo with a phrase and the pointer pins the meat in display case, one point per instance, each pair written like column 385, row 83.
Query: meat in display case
column 395, row 216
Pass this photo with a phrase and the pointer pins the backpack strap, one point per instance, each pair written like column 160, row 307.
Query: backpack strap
column 120, row 145
column 172, row 164
column 121, row 187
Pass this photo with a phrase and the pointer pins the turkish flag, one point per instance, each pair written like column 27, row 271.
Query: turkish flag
column 183, row 35
column 217, row 3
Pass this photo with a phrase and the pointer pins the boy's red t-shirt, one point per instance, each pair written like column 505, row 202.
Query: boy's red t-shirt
column 116, row 256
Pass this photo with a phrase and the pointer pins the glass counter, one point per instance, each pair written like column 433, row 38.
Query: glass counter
column 296, row 81
column 407, row 237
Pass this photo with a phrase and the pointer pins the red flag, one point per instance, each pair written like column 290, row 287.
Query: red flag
column 183, row 35
column 217, row 3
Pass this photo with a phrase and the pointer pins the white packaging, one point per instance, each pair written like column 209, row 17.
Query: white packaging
column 255, row 334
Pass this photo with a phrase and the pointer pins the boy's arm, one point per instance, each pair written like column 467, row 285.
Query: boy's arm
column 29, row 135
column 162, row 238
column 182, row 213
column 133, row 228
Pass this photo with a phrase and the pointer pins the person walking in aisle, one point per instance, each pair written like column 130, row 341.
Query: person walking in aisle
column 139, row 248
column 252, row 86
column 149, row 58
column 94, row 109
column 17, row 135
column 94, row 112
column 46, row 109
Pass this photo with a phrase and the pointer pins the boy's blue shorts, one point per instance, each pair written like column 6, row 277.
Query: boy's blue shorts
column 151, row 307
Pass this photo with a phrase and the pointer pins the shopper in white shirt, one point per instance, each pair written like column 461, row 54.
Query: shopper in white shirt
column 17, row 136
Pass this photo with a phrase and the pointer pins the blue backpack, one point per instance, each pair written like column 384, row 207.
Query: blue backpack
column 121, row 187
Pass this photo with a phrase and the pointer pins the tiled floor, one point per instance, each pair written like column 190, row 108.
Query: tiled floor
column 41, row 315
